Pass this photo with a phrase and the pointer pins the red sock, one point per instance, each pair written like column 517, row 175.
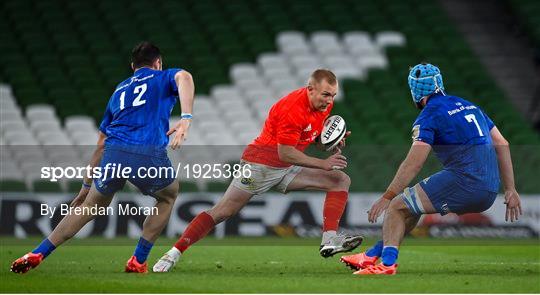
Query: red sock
column 334, row 205
column 197, row 229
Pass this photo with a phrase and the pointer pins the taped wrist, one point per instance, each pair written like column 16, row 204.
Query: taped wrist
column 389, row 195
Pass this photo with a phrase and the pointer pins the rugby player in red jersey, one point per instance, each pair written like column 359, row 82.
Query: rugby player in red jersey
column 277, row 161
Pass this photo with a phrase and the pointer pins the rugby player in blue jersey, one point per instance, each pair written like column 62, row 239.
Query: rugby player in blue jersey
column 472, row 151
column 134, row 133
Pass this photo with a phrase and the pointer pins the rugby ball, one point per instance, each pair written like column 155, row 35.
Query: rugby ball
column 333, row 131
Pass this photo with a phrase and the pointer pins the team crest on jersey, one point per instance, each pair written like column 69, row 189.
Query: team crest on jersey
column 415, row 132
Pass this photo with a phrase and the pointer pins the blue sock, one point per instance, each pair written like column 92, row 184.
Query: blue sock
column 45, row 248
column 142, row 250
column 376, row 250
column 389, row 255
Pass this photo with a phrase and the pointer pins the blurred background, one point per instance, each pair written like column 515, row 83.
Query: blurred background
column 61, row 60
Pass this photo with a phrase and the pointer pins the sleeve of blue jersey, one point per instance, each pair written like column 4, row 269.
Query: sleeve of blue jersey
column 170, row 78
column 107, row 118
column 489, row 122
column 424, row 128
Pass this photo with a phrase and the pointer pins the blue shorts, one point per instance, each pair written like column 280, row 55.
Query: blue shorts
column 148, row 173
column 446, row 193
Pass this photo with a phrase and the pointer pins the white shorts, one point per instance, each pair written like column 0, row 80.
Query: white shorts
column 264, row 178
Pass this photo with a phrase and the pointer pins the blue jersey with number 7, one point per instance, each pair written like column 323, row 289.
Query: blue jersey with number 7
column 138, row 112
column 459, row 133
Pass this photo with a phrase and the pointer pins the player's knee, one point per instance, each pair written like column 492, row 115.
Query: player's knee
column 172, row 190
column 170, row 196
column 339, row 181
column 169, row 199
column 344, row 180
column 398, row 206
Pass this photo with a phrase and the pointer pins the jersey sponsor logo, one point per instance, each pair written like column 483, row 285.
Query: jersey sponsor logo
column 132, row 80
column 308, row 128
column 461, row 108
column 415, row 132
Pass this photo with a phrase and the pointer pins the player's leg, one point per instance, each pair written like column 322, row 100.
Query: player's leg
column 431, row 195
column 152, row 227
column 371, row 256
column 336, row 185
column 71, row 224
column 164, row 188
column 410, row 223
column 154, row 224
column 65, row 230
column 401, row 217
column 232, row 201
column 403, row 214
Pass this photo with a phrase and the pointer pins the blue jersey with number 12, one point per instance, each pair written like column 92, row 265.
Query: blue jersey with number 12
column 138, row 112
column 459, row 133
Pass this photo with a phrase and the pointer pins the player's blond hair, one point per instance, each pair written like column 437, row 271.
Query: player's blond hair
column 323, row 74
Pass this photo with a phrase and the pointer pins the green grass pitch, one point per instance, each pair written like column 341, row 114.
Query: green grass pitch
column 274, row 265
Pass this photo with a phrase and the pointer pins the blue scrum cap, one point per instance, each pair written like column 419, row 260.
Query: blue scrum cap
column 425, row 79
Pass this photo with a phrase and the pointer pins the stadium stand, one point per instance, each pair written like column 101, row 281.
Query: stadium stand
column 62, row 59
column 528, row 12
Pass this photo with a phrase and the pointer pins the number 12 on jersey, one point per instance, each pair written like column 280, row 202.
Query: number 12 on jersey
column 471, row 118
column 141, row 89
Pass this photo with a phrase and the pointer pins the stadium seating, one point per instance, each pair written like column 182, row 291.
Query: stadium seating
column 528, row 13
column 63, row 59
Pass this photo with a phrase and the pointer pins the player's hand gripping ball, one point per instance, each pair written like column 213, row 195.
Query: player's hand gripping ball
column 333, row 132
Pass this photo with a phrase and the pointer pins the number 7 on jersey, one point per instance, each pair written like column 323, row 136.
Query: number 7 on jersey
column 471, row 118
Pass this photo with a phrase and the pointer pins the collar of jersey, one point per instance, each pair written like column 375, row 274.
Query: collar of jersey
column 140, row 69
column 434, row 95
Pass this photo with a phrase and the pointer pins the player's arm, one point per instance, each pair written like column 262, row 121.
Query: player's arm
column 94, row 161
column 289, row 131
column 410, row 167
column 289, row 154
column 512, row 201
column 186, row 93
column 186, row 90
column 407, row 171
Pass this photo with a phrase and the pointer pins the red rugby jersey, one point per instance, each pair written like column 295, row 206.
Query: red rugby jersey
column 291, row 121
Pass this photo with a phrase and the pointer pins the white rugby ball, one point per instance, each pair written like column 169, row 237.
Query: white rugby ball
column 333, row 131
